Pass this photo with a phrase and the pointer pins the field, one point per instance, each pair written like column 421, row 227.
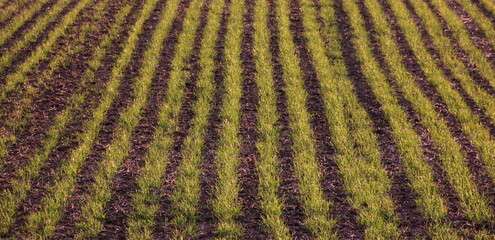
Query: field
column 247, row 119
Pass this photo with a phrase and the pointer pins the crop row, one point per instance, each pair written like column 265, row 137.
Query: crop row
column 415, row 62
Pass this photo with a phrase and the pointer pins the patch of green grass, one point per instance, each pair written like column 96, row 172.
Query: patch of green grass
column 53, row 204
column 226, row 205
column 22, row 183
column 268, row 166
column 473, row 202
column 185, row 198
column 93, row 213
column 316, row 207
column 7, row 11
column 30, row 36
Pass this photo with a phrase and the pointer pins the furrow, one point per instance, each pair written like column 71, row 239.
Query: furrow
column 186, row 194
column 81, row 106
column 19, row 109
column 292, row 213
column 348, row 225
column 17, row 48
column 7, row 13
column 22, row 183
column 248, row 176
column 41, row 52
column 487, row 6
column 363, row 135
column 92, row 211
column 52, row 205
column 225, row 203
column 14, row 24
column 315, row 206
column 449, row 58
column 120, row 204
column 481, row 28
column 433, row 152
column 450, row 152
column 145, row 200
column 400, row 148
column 206, row 221
column 459, row 112
column 268, row 145
column 439, row 10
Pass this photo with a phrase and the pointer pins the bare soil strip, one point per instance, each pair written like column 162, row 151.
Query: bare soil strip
column 26, row 51
column 463, row 55
column 249, row 197
column 70, row 138
column 455, row 214
column 477, row 35
column 26, row 26
column 206, row 222
column 476, row 165
column 485, row 11
column 66, row 227
column 13, row 10
column 119, row 204
column 345, row 214
column 289, row 190
column 410, row 218
column 51, row 101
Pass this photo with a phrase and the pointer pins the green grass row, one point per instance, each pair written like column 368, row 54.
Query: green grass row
column 307, row 171
column 186, row 196
column 430, row 202
column 481, row 20
column 145, row 202
column 30, row 64
column 226, row 205
column 19, row 20
column 268, row 166
column 22, row 183
column 8, row 11
column 41, row 52
column 489, row 5
column 18, row 116
column 459, row 70
column 470, row 122
column 450, row 58
column 364, row 176
column 43, row 221
column 31, row 35
column 93, row 214
column 463, row 37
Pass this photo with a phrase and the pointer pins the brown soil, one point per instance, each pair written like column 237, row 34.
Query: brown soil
column 476, row 166
column 14, row 13
column 477, row 35
column 124, row 185
column 66, row 78
column 293, row 214
column 66, row 227
column 411, row 220
column 462, row 54
column 484, row 10
column 50, row 101
column 207, row 222
column 346, row 215
column 251, row 218
column 455, row 213
column 481, row 42
column 26, row 52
